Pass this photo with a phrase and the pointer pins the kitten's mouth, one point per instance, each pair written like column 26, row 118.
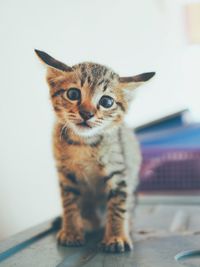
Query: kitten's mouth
column 84, row 124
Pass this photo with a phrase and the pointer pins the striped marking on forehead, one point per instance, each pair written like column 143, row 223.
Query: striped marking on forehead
column 95, row 75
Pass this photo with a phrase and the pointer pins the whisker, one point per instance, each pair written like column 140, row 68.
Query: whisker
column 72, row 118
column 97, row 122
column 63, row 130
column 72, row 114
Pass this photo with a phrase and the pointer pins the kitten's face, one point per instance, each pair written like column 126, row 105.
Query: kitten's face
column 87, row 98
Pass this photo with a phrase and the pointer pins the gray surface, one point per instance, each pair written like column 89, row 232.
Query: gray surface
column 180, row 199
column 161, row 231
column 24, row 236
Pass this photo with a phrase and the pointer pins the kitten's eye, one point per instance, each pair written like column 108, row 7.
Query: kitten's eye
column 74, row 94
column 106, row 101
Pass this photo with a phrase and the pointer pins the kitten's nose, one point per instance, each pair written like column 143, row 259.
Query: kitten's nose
column 86, row 115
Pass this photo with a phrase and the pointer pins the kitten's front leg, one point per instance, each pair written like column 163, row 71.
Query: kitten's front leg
column 71, row 233
column 117, row 235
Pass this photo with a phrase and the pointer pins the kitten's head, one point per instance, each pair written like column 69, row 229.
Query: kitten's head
column 89, row 98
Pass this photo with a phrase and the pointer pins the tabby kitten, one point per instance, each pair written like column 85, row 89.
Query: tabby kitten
column 97, row 157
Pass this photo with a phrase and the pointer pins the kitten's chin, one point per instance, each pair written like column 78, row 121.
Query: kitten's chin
column 84, row 131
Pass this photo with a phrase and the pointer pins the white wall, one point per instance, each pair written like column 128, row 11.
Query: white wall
column 131, row 36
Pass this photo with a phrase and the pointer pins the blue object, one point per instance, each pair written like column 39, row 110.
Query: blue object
column 184, row 137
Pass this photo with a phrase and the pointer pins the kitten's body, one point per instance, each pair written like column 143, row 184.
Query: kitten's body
column 97, row 157
column 110, row 161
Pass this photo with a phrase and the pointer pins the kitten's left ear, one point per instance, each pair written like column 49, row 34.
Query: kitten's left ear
column 52, row 62
column 135, row 81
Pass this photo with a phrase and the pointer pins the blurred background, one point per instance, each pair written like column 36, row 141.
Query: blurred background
column 131, row 36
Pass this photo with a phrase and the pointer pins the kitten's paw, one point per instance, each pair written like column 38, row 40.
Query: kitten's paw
column 66, row 238
column 116, row 244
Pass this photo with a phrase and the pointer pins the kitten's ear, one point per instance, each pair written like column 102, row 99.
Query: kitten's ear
column 52, row 62
column 135, row 81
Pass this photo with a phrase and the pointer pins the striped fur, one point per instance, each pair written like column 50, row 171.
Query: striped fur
column 97, row 164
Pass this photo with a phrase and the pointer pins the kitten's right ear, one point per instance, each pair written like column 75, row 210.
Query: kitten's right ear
column 52, row 62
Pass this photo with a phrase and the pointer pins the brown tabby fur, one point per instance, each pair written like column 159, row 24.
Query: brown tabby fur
column 97, row 165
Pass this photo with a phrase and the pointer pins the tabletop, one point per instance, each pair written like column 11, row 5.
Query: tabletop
column 162, row 231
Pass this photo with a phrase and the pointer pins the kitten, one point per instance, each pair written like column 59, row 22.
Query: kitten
column 97, row 157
